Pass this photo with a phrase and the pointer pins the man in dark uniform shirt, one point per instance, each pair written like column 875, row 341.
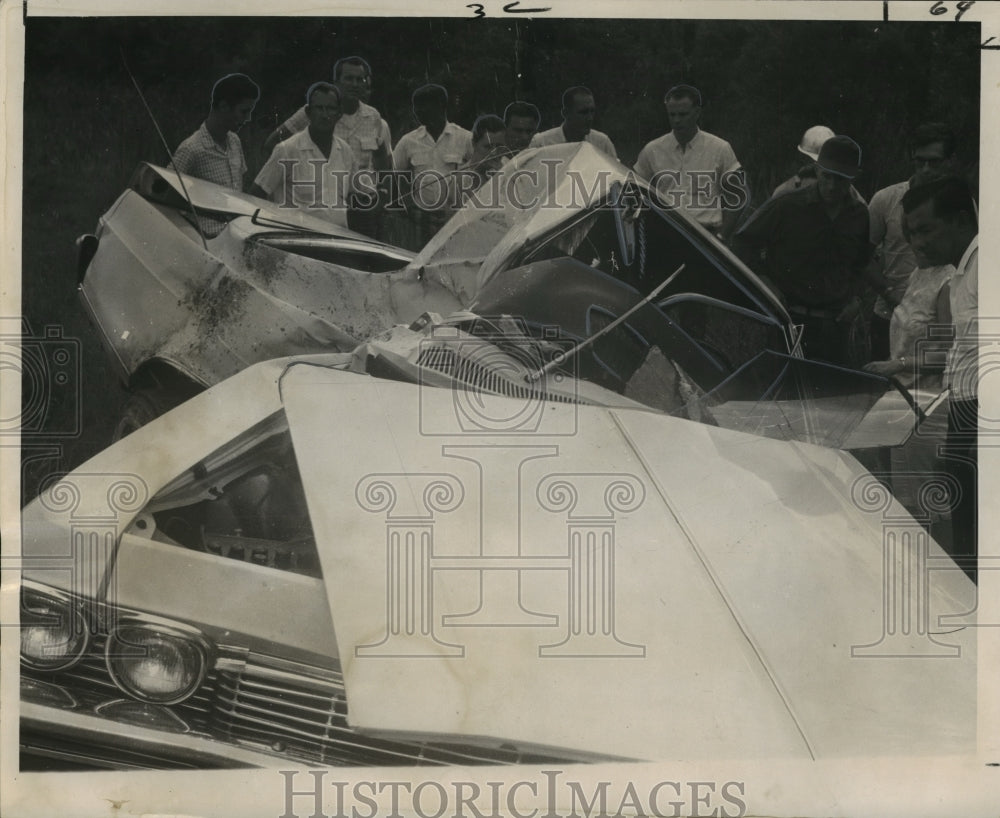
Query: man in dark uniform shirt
column 816, row 247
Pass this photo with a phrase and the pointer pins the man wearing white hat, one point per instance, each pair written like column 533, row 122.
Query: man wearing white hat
column 816, row 248
column 812, row 141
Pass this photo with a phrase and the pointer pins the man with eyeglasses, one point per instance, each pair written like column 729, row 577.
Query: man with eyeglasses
column 932, row 153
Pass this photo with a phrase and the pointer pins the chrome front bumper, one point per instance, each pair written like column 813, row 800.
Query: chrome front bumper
column 87, row 739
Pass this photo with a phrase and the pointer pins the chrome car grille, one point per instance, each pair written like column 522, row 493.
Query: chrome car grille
column 302, row 712
column 471, row 373
column 263, row 703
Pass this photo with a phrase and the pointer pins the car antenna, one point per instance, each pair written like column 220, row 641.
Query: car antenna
column 180, row 178
column 531, row 377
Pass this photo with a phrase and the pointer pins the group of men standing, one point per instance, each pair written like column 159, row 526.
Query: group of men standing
column 329, row 158
column 814, row 241
column 915, row 247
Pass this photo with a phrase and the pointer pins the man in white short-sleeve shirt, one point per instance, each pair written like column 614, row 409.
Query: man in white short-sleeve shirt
column 313, row 169
column 578, row 110
column 428, row 155
column 692, row 169
column 360, row 125
column 364, row 129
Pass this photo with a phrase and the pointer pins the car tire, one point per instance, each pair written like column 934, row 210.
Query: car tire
column 144, row 406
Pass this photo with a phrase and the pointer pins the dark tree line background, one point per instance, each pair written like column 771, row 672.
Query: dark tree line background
column 763, row 84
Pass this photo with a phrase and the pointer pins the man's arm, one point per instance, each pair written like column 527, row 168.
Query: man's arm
column 927, row 357
column 877, row 227
column 183, row 159
column 466, row 144
column 730, row 170
column 753, row 236
column 643, row 165
column 243, row 167
column 859, row 271
column 382, row 156
column 401, row 154
column 876, row 278
column 731, row 215
column 266, row 180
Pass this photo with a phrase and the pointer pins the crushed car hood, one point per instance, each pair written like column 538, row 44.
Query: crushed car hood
column 618, row 581
column 244, row 298
column 533, row 194
column 210, row 198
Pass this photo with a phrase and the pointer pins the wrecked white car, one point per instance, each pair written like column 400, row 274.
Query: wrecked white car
column 447, row 563
column 562, row 236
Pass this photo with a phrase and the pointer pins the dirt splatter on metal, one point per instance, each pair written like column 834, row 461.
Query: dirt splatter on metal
column 264, row 263
column 219, row 304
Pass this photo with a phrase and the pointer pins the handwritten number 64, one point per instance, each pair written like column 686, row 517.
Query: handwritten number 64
column 963, row 6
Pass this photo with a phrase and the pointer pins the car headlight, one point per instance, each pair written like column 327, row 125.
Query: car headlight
column 156, row 662
column 54, row 633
